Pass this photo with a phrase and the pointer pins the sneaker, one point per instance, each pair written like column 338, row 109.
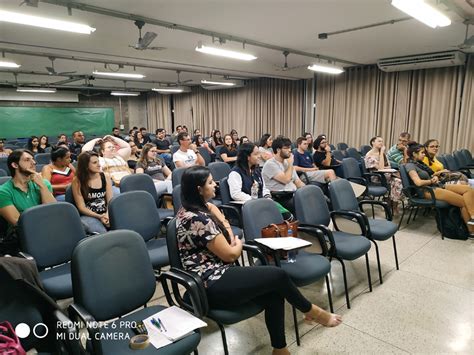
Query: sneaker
column 471, row 222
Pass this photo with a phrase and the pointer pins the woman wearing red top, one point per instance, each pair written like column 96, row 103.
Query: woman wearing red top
column 60, row 172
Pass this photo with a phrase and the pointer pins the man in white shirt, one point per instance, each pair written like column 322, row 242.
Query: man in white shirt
column 187, row 155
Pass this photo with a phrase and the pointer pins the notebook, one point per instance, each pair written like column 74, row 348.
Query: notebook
column 289, row 243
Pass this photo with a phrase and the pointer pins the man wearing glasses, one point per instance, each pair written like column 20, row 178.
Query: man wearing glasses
column 187, row 155
column 397, row 152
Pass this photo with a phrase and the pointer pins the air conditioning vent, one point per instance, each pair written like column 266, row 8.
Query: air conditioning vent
column 422, row 61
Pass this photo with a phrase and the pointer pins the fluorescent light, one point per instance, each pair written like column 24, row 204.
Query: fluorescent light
column 124, row 93
column 119, row 74
column 423, row 12
column 214, row 82
column 8, row 64
column 224, row 52
column 43, row 90
column 15, row 17
column 172, row 89
column 326, row 68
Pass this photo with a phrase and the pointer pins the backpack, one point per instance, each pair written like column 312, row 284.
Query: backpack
column 450, row 223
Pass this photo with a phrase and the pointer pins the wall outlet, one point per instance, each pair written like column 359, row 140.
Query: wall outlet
column 122, row 127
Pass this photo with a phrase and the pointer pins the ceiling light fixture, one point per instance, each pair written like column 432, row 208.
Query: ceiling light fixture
column 124, row 93
column 326, row 68
column 214, row 82
column 119, row 74
column 423, row 12
column 172, row 89
column 8, row 64
column 42, row 90
column 224, row 52
column 22, row 19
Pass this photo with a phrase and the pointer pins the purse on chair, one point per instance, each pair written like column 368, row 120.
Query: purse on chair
column 9, row 342
column 276, row 230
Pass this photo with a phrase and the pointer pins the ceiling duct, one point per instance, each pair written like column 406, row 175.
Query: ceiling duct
column 422, row 61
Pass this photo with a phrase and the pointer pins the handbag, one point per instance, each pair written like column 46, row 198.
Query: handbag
column 276, row 230
column 9, row 342
column 453, row 177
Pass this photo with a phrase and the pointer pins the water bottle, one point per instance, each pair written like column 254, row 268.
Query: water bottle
column 291, row 253
column 254, row 190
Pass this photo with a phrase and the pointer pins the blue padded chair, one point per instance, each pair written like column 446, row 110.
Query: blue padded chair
column 4, row 179
column 4, row 166
column 218, row 153
column 3, row 173
column 176, row 176
column 338, row 155
column 352, row 172
column 49, row 233
column 342, row 146
column 43, row 158
column 232, row 211
column 312, row 210
column 205, row 155
column 364, row 149
column 219, row 170
column 453, row 165
column 308, row 268
column 462, row 160
column 112, row 276
column 377, row 229
column 222, row 316
column 467, row 156
column 353, row 153
column 174, row 149
column 144, row 182
column 136, row 210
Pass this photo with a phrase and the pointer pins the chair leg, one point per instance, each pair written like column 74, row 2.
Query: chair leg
column 395, row 251
column 403, row 215
column 416, row 213
column 378, row 261
column 373, row 212
column 224, row 339
column 196, row 352
column 344, row 276
column 295, row 321
column 329, row 294
column 369, row 278
column 409, row 216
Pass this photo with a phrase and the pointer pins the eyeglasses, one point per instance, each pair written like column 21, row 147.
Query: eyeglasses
column 433, row 146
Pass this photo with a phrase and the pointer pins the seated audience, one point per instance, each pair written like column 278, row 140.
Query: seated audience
column 60, row 172
column 131, row 136
column 309, row 139
column 196, row 132
column 376, row 160
column 145, row 135
column 304, row 163
column 163, row 145
column 265, row 149
column 33, row 145
column 244, row 139
column 216, row 140
column 323, row 158
column 4, row 152
column 76, row 146
column 431, row 151
column 151, row 164
column 134, row 155
column 208, row 248
column 139, row 140
column 92, row 193
column 62, row 138
column 174, row 136
column 279, row 174
column 199, row 141
column 235, row 136
column 187, row 155
column 228, row 152
column 43, row 143
column 397, row 153
column 459, row 195
column 116, row 133
column 25, row 189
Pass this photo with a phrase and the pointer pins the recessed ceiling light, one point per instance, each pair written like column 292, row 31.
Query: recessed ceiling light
column 119, row 74
column 423, row 12
column 224, row 52
column 42, row 90
column 326, row 68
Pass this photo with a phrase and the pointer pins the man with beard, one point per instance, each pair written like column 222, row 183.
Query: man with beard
column 76, row 146
column 279, row 174
column 25, row 189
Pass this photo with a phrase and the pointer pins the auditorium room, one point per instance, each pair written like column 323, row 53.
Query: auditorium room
column 236, row 177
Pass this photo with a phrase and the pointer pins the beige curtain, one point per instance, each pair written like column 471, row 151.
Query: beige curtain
column 265, row 105
column 465, row 136
column 158, row 112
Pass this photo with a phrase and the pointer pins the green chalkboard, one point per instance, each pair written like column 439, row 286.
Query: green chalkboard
column 18, row 122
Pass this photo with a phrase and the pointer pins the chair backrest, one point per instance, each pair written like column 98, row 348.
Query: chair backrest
column 364, row 149
column 176, row 176
column 337, row 154
column 219, row 170
column 406, row 181
column 452, row 164
column 311, row 206
column 353, row 153
column 174, row 149
column 135, row 210
column 112, row 274
column 43, row 158
column 342, row 146
column 139, row 182
column 442, row 160
column 467, row 156
column 225, row 191
column 351, row 168
column 176, row 198
column 4, row 166
column 4, row 179
column 39, row 167
column 68, row 196
column 172, row 244
column 460, row 158
column 3, row 173
column 333, row 148
column 257, row 214
column 218, row 153
column 50, row 233
column 342, row 196
column 205, row 155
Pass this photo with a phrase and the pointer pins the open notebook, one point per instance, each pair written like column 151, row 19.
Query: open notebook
column 177, row 324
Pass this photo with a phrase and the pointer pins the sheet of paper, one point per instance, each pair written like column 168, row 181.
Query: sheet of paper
column 387, row 170
column 157, row 339
column 289, row 243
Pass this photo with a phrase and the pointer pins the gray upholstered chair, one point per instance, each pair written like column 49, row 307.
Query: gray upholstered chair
column 342, row 146
column 3, row 173
column 43, row 158
column 377, row 229
column 364, row 149
column 219, row 170
column 112, row 277
column 49, row 233
column 353, row 153
column 176, row 176
column 4, row 179
column 312, row 210
column 205, row 155
column 136, row 210
column 352, row 172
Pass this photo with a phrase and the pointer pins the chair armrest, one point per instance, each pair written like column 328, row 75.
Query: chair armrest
column 360, row 217
column 232, row 212
column 378, row 175
column 256, row 252
column 26, row 256
column 388, row 212
column 195, row 290
column 93, row 327
column 358, row 180
column 68, row 331
column 281, row 194
column 319, row 231
column 304, row 177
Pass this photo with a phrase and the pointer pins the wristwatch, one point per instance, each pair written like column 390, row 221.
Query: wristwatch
column 196, row 152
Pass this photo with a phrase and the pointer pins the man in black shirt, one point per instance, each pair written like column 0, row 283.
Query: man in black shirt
column 323, row 158
column 78, row 140
column 163, row 145
column 116, row 133
column 146, row 136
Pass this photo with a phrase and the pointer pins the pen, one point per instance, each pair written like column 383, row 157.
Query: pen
column 161, row 324
column 156, row 324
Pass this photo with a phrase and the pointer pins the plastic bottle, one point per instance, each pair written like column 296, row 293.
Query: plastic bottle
column 254, row 190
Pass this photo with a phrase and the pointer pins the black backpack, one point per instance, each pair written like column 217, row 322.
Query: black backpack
column 450, row 223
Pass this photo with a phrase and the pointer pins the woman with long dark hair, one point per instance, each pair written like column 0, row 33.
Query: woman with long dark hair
column 92, row 193
column 228, row 152
column 43, row 143
column 431, row 151
column 216, row 139
column 152, row 164
column 208, row 247
column 265, row 148
column 60, row 172
column 33, row 145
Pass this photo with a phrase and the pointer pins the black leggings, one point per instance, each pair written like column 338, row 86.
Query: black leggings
column 267, row 286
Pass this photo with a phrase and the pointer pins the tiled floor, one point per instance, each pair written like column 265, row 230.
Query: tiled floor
column 425, row 307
